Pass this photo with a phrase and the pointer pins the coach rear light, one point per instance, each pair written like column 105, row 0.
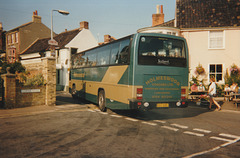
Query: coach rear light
column 183, row 93
column 139, row 93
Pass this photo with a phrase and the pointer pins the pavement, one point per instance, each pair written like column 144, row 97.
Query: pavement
column 225, row 105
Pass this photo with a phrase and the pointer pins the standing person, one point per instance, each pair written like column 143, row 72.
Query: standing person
column 212, row 91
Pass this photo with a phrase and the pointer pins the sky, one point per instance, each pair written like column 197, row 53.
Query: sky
column 117, row 18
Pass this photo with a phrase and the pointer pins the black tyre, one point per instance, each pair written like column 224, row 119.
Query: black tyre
column 102, row 101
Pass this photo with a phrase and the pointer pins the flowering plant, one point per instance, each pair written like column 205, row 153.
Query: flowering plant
column 199, row 69
column 234, row 69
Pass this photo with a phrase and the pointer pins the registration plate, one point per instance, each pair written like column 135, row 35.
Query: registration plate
column 162, row 105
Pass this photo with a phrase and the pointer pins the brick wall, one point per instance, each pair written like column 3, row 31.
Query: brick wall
column 34, row 68
column 29, row 96
column 21, row 96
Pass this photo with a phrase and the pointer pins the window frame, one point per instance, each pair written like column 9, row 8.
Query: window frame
column 209, row 39
column 16, row 37
column 12, row 55
column 98, row 51
column 167, row 60
column 215, row 73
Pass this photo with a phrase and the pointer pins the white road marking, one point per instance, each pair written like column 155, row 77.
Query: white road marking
column 104, row 113
column 202, row 153
column 222, row 139
column 216, row 148
column 170, row 128
column 193, row 133
column 91, row 110
column 159, row 121
column 118, row 116
column 202, row 130
column 229, row 136
column 97, row 110
column 179, row 126
column 149, row 123
column 131, row 119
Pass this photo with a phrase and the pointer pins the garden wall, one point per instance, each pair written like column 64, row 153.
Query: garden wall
column 30, row 96
column 16, row 95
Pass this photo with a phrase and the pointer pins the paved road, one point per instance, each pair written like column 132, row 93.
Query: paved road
column 74, row 130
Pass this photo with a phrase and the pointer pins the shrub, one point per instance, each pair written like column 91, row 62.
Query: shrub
column 234, row 75
column 14, row 67
column 27, row 80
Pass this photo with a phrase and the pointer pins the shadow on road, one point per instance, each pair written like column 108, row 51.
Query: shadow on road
column 66, row 98
column 157, row 114
column 164, row 114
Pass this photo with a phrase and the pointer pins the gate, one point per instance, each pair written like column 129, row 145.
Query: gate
column 1, row 93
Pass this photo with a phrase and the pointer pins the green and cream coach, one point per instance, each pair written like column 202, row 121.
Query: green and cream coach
column 140, row 71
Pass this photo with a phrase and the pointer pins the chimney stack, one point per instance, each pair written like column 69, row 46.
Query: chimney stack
column 36, row 18
column 107, row 38
column 1, row 27
column 84, row 24
column 158, row 18
column 1, row 36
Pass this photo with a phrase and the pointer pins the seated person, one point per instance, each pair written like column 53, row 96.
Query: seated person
column 194, row 89
column 201, row 89
column 227, row 89
column 234, row 87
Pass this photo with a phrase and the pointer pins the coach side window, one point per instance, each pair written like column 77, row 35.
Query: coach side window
column 91, row 58
column 103, row 55
column 114, row 53
column 124, row 52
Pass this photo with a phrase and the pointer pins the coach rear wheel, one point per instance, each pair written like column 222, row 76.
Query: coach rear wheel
column 102, row 101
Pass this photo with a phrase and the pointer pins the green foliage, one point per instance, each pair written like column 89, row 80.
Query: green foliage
column 36, row 80
column 234, row 75
column 196, row 80
column 14, row 67
column 220, row 90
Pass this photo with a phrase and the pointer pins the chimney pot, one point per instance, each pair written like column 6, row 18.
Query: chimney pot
column 158, row 7
column 84, row 24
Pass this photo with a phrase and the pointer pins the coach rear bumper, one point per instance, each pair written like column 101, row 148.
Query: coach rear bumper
column 138, row 104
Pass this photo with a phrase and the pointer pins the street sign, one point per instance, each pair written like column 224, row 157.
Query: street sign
column 53, row 42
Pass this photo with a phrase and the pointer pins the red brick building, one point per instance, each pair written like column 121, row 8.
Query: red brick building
column 21, row 37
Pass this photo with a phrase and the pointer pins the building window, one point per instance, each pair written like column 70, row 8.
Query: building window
column 12, row 55
column 13, row 37
column 16, row 37
column 9, row 39
column 216, row 71
column 216, row 40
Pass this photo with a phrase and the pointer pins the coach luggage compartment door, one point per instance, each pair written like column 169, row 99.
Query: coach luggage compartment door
column 161, row 90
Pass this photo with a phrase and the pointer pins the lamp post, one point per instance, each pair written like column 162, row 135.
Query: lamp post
column 52, row 42
column 59, row 11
